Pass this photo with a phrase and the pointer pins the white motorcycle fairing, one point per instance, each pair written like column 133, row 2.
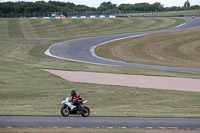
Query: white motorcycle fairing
column 69, row 108
column 68, row 102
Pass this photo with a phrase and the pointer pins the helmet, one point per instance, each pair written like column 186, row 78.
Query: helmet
column 73, row 92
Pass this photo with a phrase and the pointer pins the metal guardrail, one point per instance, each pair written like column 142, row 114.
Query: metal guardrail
column 97, row 16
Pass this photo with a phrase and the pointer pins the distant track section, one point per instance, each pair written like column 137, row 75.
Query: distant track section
column 82, row 50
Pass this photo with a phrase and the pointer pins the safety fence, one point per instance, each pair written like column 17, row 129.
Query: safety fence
column 100, row 14
column 97, row 16
column 89, row 14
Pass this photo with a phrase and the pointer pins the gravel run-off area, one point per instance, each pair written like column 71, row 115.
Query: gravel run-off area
column 157, row 82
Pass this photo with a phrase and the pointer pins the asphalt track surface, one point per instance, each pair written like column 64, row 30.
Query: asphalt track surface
column 99, row 122
column 82, row 50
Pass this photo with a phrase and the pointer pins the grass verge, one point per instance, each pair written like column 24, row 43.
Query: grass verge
column 170, row 13
column 74, row 130
column 177, row 49
column 58, row 30
column 27, row 90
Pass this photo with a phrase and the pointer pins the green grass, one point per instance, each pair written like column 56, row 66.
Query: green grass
column 27, row 90
column 170, row 13
column 65, row 29
column 177, row 49
column 175, row 13
column 77, row 130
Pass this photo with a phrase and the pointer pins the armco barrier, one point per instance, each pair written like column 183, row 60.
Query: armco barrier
column 78, row 17
column 97, row 16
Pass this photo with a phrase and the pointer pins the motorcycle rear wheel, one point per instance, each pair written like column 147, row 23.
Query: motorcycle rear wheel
column 86, row 111
column 65, row 111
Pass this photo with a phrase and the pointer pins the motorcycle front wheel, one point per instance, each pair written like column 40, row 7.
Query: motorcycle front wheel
column 86, row 112
column 65, row 111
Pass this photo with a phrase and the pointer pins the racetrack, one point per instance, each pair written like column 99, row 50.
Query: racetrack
column 82, row 50
column 99, row 122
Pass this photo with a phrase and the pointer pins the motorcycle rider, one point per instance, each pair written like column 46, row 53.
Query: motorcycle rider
column 76, row 99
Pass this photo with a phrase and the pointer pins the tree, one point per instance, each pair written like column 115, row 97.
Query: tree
column 107, row 6
column 187, row 4
column 65, row 10
column 126, row 7
column 142, row 6
column 83, row 8
column 42, row 7
column 157, row 6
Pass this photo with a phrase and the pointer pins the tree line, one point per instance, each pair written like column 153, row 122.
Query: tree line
column 56, row 6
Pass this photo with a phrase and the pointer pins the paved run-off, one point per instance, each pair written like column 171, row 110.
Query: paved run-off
column 157, row 82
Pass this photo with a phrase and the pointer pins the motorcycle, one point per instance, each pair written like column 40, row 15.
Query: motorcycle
column 69, row 108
